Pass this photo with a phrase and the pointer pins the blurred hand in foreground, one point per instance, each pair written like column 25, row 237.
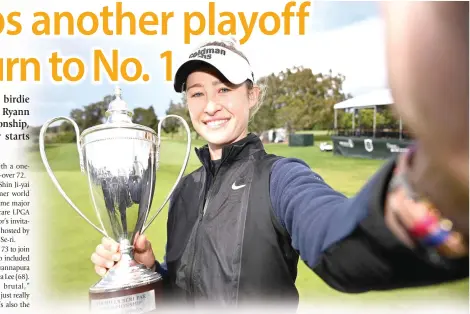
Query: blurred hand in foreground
column 427, row 48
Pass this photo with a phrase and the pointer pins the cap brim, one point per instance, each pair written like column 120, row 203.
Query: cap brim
column 184, row 70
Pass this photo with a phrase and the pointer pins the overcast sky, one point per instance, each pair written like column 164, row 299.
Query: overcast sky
column 345, row 37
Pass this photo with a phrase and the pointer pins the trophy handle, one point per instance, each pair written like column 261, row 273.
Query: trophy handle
column 49, row 170
column 183, row 168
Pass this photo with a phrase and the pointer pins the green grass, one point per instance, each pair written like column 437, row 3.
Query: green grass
column 69, row 241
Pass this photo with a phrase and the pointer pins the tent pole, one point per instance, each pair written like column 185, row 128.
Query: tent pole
column 353, row 120
column 375, row 119
column 336, row 119
column 401, row 128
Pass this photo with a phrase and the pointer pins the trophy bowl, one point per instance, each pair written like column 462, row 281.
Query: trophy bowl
column 120, row 159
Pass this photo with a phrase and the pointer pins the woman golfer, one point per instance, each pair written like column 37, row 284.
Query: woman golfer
column 238, row 225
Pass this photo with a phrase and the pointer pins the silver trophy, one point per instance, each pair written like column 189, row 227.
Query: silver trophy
column 120, row 159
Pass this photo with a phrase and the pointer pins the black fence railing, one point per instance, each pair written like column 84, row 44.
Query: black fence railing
column 379, row 133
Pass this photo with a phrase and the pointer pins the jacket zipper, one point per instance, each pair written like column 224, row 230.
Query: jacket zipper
column 201, row 216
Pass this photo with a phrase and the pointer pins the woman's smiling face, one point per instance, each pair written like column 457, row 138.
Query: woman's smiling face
column 219, row 110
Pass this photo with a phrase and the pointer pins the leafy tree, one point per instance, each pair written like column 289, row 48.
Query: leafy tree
column 344, row 120
column 181, row 109
column 265, row 118
column 171, row 125
column 390, row 119
column 303, row 100
column 95, row 113
column 366, row 119
column 91, row 115
column 146, row 117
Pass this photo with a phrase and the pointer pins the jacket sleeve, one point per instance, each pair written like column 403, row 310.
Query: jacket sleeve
column 345, row 240
column 161, row 268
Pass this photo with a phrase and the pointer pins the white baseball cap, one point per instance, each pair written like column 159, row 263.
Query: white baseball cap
column 233, row 67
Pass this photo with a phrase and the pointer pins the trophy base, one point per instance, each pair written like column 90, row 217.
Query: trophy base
column 127, row 288
column 137, row 300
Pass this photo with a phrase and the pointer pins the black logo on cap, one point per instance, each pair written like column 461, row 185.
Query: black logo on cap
column 206, row 53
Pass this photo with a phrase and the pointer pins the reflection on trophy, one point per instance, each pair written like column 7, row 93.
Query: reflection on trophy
column 120, row 159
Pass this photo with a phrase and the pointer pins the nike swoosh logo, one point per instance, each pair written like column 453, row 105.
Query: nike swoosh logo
column 236, row 187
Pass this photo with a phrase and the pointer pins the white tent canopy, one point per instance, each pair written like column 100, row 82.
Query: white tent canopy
column 375, row 98
column 381, row 97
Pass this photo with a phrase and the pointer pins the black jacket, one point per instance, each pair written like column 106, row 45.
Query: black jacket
column 223, row 242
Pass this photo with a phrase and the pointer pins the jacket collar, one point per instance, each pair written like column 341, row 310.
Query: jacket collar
column 235, row 151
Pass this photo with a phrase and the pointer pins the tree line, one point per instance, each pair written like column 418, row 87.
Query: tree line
column 296, row 99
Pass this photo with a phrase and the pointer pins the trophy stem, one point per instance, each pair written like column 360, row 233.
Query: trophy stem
column 126, row 248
